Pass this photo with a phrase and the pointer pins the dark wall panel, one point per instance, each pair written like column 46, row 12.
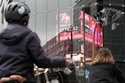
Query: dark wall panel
column 114, row 35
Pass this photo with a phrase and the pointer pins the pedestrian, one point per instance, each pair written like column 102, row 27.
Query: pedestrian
column 20, row 47
column 103, row 68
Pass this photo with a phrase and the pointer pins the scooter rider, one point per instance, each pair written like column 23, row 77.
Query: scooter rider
column 20, row 47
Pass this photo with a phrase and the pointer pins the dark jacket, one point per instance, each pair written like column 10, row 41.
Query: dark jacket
column 105, row 73
column 20, row 49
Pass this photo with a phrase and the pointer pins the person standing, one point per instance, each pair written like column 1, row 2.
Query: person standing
column 20, row 47
column 103, row 68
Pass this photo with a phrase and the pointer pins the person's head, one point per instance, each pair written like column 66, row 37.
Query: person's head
column 17, row 12
column 103, row 55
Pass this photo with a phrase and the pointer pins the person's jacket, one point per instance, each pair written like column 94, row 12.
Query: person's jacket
column 105, row 73
column 20, row 49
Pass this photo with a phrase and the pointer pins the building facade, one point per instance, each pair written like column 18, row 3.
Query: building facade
column 89, row 6
column 76, row 39
column 85, row 17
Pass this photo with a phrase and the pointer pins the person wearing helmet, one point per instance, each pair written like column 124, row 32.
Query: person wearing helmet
column 20, row 47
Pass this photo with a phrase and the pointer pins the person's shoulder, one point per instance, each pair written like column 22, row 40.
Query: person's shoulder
column 33, row 34
column 102, row 65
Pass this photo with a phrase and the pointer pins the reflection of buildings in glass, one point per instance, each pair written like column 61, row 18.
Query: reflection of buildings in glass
column 89, row 8
column 84, row 12
column 64, row 19
column 63, row 45
column 56, row 48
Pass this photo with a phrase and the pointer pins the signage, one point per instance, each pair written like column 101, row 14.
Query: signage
column 94, row 35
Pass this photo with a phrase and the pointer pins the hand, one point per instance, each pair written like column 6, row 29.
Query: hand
column 4, row 79
column 18, row 78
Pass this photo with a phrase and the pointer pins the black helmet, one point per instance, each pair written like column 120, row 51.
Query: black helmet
column 17, row 12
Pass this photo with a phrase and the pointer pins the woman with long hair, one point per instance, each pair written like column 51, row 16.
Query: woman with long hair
column 103, row 69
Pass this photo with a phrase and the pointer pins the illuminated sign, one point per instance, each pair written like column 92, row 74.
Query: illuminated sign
column 64, row 21
column 90, row 22
column 95, row 35
column 95, row 28
column 76, row 35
